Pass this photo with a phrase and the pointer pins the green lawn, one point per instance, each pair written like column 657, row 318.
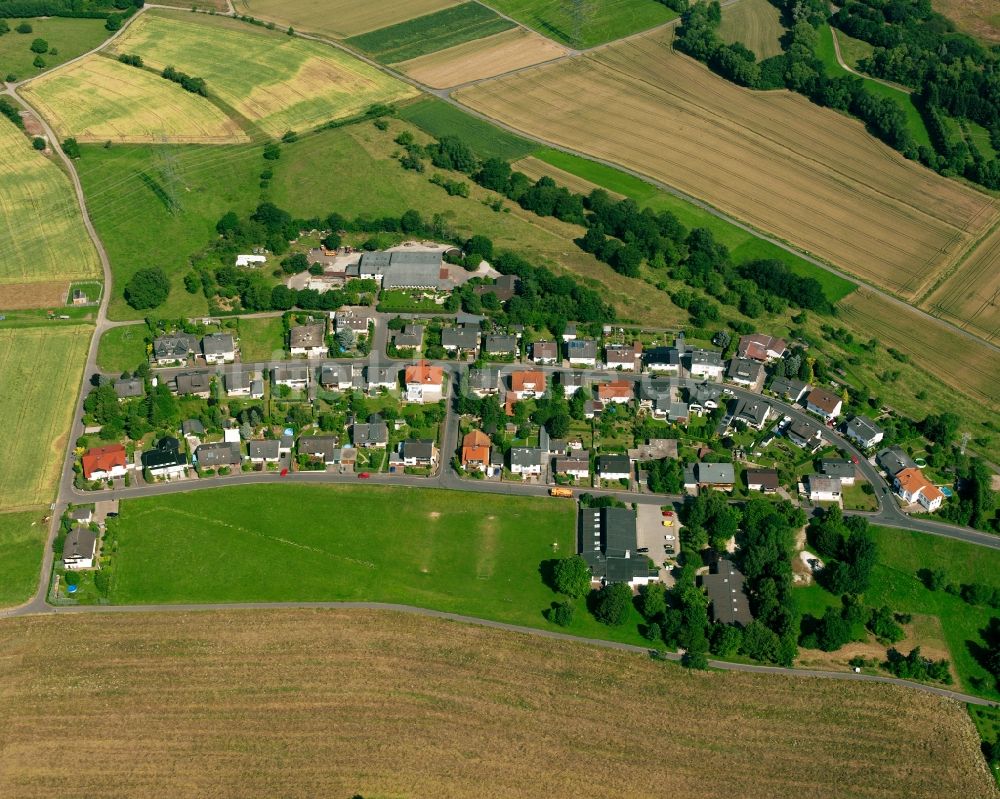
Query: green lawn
column 743, row 245
column 431, row 548
column 855, row 497
column 853, row 50
column 826, row 54
column 122, row 348
column 979, row 136
column 439, row 118
column 70, row 37
column 595, row 22
column 431, row 32
column 22, row 537
column 262, row 339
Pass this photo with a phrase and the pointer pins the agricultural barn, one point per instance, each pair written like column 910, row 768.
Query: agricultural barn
column 405, row 270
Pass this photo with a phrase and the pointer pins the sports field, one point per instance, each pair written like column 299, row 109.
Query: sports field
column 971, row 296
column 42, row 236
column 289, row 84
column 305, row 703
column 588, row 23
column 22, row 537
column 339, row 18
column 428, row 34
column 69, row 37
column 483, row 58
column 754, row 23
column 42, row 369
column 805, row 174
column 100, row 99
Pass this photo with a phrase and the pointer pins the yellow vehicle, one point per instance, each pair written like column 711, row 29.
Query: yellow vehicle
column 560, row 492
column 667, row 523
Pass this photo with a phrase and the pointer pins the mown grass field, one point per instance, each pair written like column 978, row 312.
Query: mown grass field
column 100, row 99
column 70, row 37
column 336, row 703
column 289, row 84
column 22, row 537
column 853, row 50
column 42, row 368
column 755, row 23
column 755, row 156
column 262, row 339
column 482, row 58
column 586, row 24
column 42, row 236
column 339, row 18
column 438, row 118
column 122, row 348
column 428, row 34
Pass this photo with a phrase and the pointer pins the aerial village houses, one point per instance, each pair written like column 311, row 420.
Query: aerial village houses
column 263, row 451
column 724, row 586
column 706, row 364
column 526, row 461
column 753, row 413
column 582, row 352
column 421, row 454
column 129, row 387
column 824, row 489
column 355, row 320
column 165, row 461
column 219, row 348
column 294, row 377
column 485, row 381
column 804, row 434
column 789, row 388
column 618, row 392
column 322, row 449
column 424, row 382
column 864, row 432
column 720, row 476
column 238, row 383
column 174, row 348
column 194, row 384
column 575, row 465
column 339, row 377
column 308, row 340
column 411, row 337
column 663, row 359
column 572, row 382
column 371, row 434
column 475, row 451
column 912, row 486
column 79, row 549
column 527, row 384
column 545, row 352
column 463, row 339
column 382, row 377
column 626, row 357
column 761, row 347
column 746, row 372
column 105, row 463
column 824, row 403
column 838, row 468
column 500, row 346
column 763, row 480
column 614, row 467
column 893, row 460
column 218, row 455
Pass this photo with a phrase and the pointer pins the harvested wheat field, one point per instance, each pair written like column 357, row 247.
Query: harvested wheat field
column 305, row 703
column 19, row 296
column 289, row 84
column 42, row 237
column 806, row 174
column 340, row 18
column 100, row 99
column 967, row 365
column 971, row 296
column 979, row 17
column 755, row 23
column 483, row 58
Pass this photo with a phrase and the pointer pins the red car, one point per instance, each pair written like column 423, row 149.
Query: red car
column 854, row 458
column 364, row 476
column 284, row 472
column 668, row 513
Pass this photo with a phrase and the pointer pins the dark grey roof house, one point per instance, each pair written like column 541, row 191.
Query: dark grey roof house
column 724, row 587
column 410, row 337
column 894, row 460
column 373, row 433
column 322, row 448
column 264, row 450
column 864, row 432
column 198, row 384
column 174, row 347
column 464, row 337
column 614, row 467
column 212, row 456
column 79, row 548
column 500, row 345
column 607, row 541
column 484, row 381
column 130, row 387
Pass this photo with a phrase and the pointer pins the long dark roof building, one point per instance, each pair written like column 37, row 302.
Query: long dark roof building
column 725, row 589
column 607, row 542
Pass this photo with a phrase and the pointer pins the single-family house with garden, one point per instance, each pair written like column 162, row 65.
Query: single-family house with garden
column 105, row 463
column 719, row 476
column 382, row 377
column 485, row 381
column 411, row 337
column 338, row 377
column 663, row 359
column 129, row 387
column 614, row 467
column 294, row 377
column 263, row 450
column 893, row 460
column 424, row 383
column 824, row 403
column 174, row 348
column 322, row 449
column 475, row 451
column 838, row 468
column 912, row 486
column 354, row 319
column 618, row 392
column 79, row 549
column 500, row 346
column 706, row 364
column 238, row 382
column 806, row 435
column 526, row 461
column 824, row 489
column 761, row 347
column 463, row 339
column 219, row 348
column 582, row 352
column 763, row 480
column 626, row 357
column 218, row 455
column 576, row 465
column 423, row 453
column 864, row 432
column 194, row 384
column 752, row 412
column 165, row 461
column 746, row 372
column 371, row 434
column 572, row 382
column 308, row 340
column 545, row 352
column 527, row 384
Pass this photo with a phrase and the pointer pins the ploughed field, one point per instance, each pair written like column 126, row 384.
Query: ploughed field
column 303, row 703
column 806, row 174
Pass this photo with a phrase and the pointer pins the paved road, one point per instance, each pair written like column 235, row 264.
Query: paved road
column 514, row 628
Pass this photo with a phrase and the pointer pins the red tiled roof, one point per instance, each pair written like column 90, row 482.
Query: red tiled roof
column 520, row 380
column 424, row 374
column 103, row 459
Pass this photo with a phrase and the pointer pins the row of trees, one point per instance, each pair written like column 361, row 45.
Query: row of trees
column 187, row 82
column 94, row 9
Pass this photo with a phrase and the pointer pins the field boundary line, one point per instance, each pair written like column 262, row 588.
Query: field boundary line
column 539, row 632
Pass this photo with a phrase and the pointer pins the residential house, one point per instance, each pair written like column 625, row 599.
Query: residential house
column 569, row 332
column 678, row 412
column 371, row 434
column 81, row 515
column 192, row 427
column 592, row 408
column 194, row 384
column 893, row 460
column 582, row 352
column 129, row 387
column 752, row 412
column 706, row 364
column 79, row 549
column 838, row 468
column 463, row 319
column 504, row 287
column 608, row 541
column 380, row 377
column 864, row 432
column 627, row 357
column 704, row 397
column 424, row 382
column 804, row 434
column 545, row 352
column 337, row 377
column 285, row 444
column 527, row 384
column 572, row 382
column 663, row 359
column 500, row 346
column 219, row 348
column 165, row 460
column 526, row 461
column 219, row 455
column 761, row 347
column 746, row 372
column 912, row 486
column 323, row 449
column 485, row 381
column 409, row 338
column 824, row 489
column 763, row 480
column 576, row 465
column 105, row 463
column 257, row 388
column 614, row 467
column 263, row 450
column 462, row 339
column 724, row 586
column 174, row 348
column 720, row 476
column 475, row 451
column 295, row 377
column 824, row 403
column 308, row 340
column 354, row 319
column 656, row 395
column 789, row 388
column 237, row 383
column 423, row 454
column 619, row 392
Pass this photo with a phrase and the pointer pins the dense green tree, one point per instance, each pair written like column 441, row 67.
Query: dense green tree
column 611, row 605
column 147, row 288
column 39, row 46
column 571, row 576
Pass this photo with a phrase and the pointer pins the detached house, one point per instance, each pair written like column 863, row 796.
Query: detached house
column 463, row 339
column 371, row 434
column 804, row 434
column 761, row 347
column 215, row 456
column 763, row 480
column 323, row 449
column 129, row 387
column 498, row 346
column 237, row 383
column 618, row 392
column 476, row 451
column 308, row 340
column 572, row 382
column 582, row 352
column 824, row 489
column 526, row 461
column 626, row 357
column 295, row 377
column 409, row 338
column 707, row 364
column 912, row 486
column 663, row 359
column 264, row 450
column 753, row 413
column 105, row 463
column 483, row 382
column 380, row 377
column 704, row 397
column 423, row 382
column 838, row 468
column 354, row 319
column 893, row 460
column 545, row 352
column 824, row 403
column 746, row 372
column 173, row 348
column 194, row 384
column 165, row 461
column 789, row 388
column 864, row 432
column 576, row 465
column 527, row 384
column 422, row 454
column 219, row 348
column 80, row 549
column 720, row 476
column 614, row 467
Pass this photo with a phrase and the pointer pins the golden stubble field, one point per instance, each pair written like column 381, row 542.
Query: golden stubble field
column 306, row 703
column 340, row 18
column 100, row 99
column 482, row 58
column 806, row 174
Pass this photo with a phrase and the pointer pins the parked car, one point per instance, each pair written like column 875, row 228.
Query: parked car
column 364, row 476
column 668, row 513
column 284, row 472
column 854, row 459
column 643, row 549
column 669, row 537
column 668, row 523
